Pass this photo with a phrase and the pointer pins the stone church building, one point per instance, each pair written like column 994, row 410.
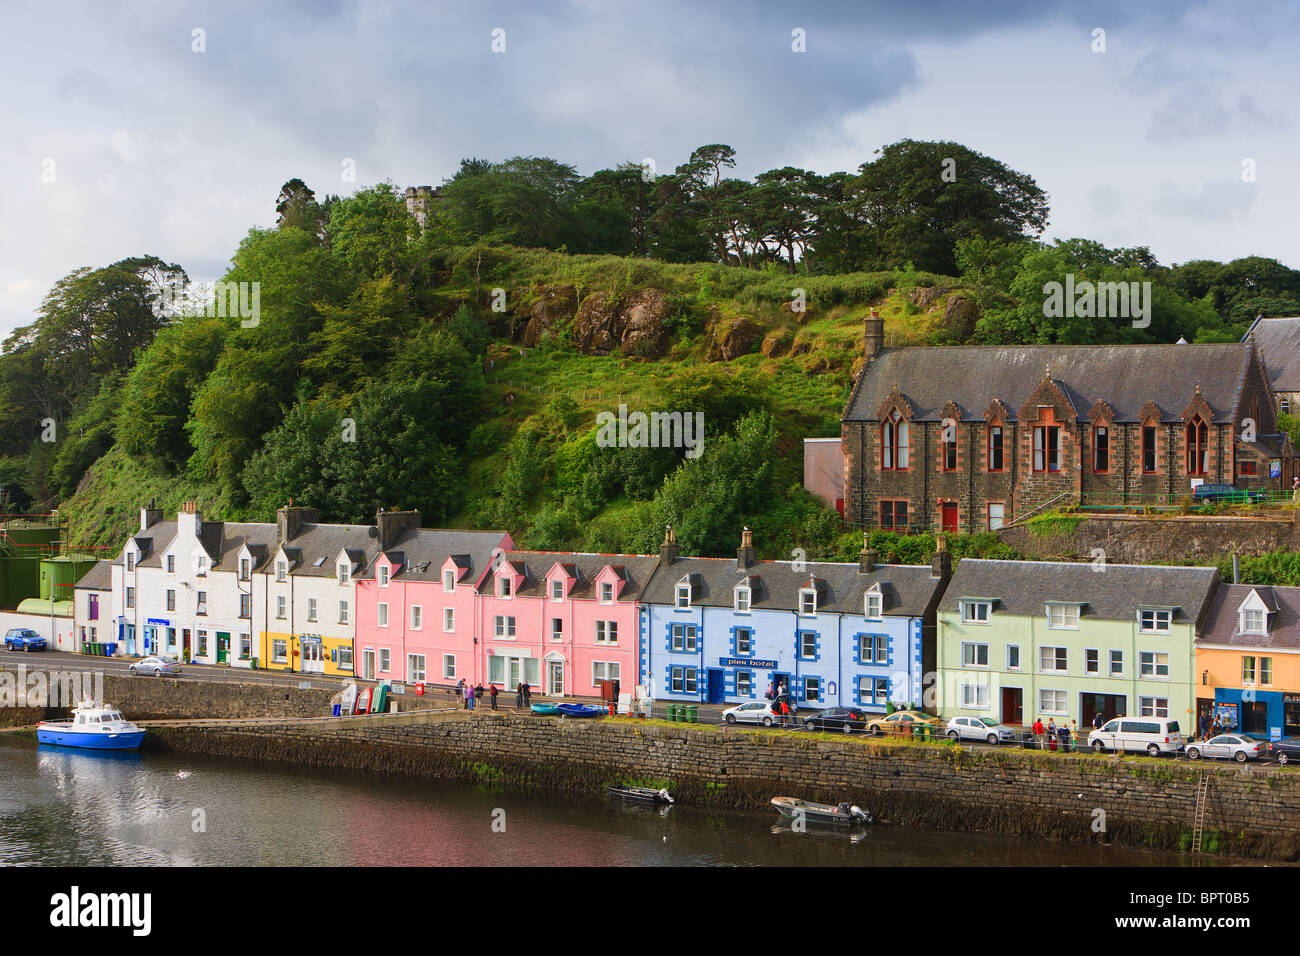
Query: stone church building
column 966, row 438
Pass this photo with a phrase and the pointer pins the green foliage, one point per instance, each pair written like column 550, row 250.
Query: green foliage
column 1053, row 522
column 86, row 437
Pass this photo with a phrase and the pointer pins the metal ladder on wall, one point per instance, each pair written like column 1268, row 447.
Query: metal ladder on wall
column 1202, row 799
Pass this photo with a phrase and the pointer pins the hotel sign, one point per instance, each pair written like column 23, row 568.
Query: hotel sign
column 748, row 662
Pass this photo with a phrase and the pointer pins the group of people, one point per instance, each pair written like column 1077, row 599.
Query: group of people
column 471, row 695
column 1212, row 727
column 1056, row 737
column 782, row 703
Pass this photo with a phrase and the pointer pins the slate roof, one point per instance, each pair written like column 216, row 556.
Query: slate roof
column 775, row 585
column 98, row 578
column 1126, row 377
column 635, row 569
column 423, row 551
column 1278, row 341
column 153, row 543
column 1114, row 594
column 328, row 541
column 1283, row 626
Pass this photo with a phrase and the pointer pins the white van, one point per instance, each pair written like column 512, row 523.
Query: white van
column 1155, row 735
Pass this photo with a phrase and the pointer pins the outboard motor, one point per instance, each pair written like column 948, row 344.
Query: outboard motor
column 859, row 814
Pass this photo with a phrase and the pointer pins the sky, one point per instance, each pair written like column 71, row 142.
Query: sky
column 148, row 128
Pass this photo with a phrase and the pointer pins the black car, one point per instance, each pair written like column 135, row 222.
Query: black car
column 845, row 719
column 1228, row 493
column 1286, row 749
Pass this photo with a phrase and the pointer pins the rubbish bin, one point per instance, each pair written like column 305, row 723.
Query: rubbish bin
column 112, row 649
column 692, row 714
column 337, row 711
column 672, row 713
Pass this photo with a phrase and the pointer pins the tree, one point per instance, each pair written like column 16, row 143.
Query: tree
column 296, row 208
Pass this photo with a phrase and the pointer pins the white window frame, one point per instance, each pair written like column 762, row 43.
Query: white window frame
column 417, row 617
column 609, row 670
column 873, row 608
column 1153, row 707
column 1062, row 617
column 977, row 646
column 505, row 587
column 281, row 607
column 344, row 574
column 448, row 666
column 381, row 614
column 1056, row 706
column 385, row 665
column 557, row 589
column 281, row 571
column 808, row 602
column 1042, row 660
column 382, row 573
column 975, row 696
column 415, row 668
column 448, row 620
column 1111, row 669
column 683, row 597
column 607, row 592
column 971, row 610
column 749, row 641
column 1247, row 617
column 448, row 580
column 503, row 626
column 557, row 632
column 311, row 610
column 1149, row 664
column 344, row 610
column 1092, row 668
column 742, row 596
column 1159, row 615
column 607, row 632
column 1020, row 657
column 686, row 634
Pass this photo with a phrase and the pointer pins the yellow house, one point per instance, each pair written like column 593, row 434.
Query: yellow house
column 306, row 653
column 1248, row 660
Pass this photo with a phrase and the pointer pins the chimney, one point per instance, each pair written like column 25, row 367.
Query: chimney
column 291, row 520
column 941, row 563
column 868, row 558
column 150, row 516
column 745, row 553
column 668, row 551
column 392, row 524
column 873, row 335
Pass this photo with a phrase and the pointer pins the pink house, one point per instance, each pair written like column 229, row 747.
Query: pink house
column 417, row 605
column 562, row 621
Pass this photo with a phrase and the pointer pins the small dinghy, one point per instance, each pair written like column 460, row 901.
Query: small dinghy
column 549, row 709
column 793, row 808
column 648, row 794
column 578, row 710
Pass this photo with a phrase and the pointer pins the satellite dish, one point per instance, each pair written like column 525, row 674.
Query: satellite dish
column 373, row 531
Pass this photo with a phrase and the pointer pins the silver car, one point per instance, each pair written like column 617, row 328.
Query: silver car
column 979, row 728
column 157, row 666
column 1229, row 746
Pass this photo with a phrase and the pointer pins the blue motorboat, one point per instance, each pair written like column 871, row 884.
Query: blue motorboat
column 92, row 727
column 578, row 710
column 549, row 710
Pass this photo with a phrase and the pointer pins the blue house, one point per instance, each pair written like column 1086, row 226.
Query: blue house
column 718, row 630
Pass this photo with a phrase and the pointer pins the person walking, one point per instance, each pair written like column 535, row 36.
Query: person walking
column 492, row 695
column 519, row 696
column 1063, row 732
column 469, row 697
column 1295, row 490
column 478, row 693
column 528, row 694
column 1074, row 735
column 1051, row 733
column 1038, row 733
column 458, row 693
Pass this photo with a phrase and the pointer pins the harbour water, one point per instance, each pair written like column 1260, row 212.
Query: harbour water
column 72, row 808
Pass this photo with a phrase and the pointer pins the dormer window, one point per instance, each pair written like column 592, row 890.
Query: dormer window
column 503, row 587
column 345, row 574
column 557, row 590
column 683, row 595
column 875, row 605
column 449, row 580
column 1063, row 617
column 807, row 601
column 171, row 564
column 281, row 570
column 607, row 593
column 200, row 565
column 383, row 575
column 975, row 612
column 743, row 596
column 130, row 561
column 245, row 568
column 1254, row 621
column 1154, row 620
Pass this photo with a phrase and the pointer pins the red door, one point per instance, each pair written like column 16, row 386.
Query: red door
column 1012, row 708
column 949, row 516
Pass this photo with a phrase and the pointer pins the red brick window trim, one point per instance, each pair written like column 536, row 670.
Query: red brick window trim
column 894, row 437
column 893, row 513
column 1101, row 449
column 1150, row 449
column 996, row 446
column 1047, row 448
column 1198, row 447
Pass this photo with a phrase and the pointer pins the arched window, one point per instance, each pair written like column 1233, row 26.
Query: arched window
column 893, row 443
column 1198, row 447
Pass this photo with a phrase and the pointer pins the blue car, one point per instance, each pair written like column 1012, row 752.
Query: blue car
column 23, row 639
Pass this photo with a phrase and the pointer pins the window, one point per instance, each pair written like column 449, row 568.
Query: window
column 744, row 683
column 742, row 600
column 1053, row 659
column 449, row 580
column 415, row 667
column 345, row 574
column 383, row 575
column 417, row 617
column 245, row 568
column 603, row 670
column 202, row 637
column 1051, row 701
column 974, row 655
column 503, row 587
column 343, row 612
column 200, row 565
column 607, row 592
column 1013, row 657
column 201, row 603
column 1284, row 406
column 130, row 562
column 875, row 605
column 1266, row 670
column 448, row 619
column 893, row 443
column 1248, row 670
column 1254, row 621
column 1148, row 449
column 997, row 514
column 1116, row 663
column 383, row 614
column 893, row 514
column 505, row 627
column 246, row 605
column 279, row 650
column 1153, row 707
column 345, row 657
column 949, row 451
column 1092, row 661
column 311, row 609
column 683, row 595
column 171, row 600
column 808, row 645
column 1047, row 448
column 744, row 642
column 385, row 660
column 557, row 629
column 807, row 602
column 281, row 571
column 873, row 649
column 974, row 612
column 1198, row 449
column 1063, row 617
column 1247, row 468
column 1101, row 448
column 448, row 665
column 557, row 590
column 130, row 597
column 683, row 637
column 607, row 632
column 975, row 695
column 281, row 606
column 171, row 564
column 1153, row 664
column 1153, row 621
column 683, row 680
column 812, row 689
column 995, row 448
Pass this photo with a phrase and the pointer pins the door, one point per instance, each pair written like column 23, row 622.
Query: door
column 1013, row 705
column 223, row 646
column 313, row 658
column 513, row 675
column 186, row 650
column 1108, row 705
column 1254, row 717
column 367, row 665
column 950, row 516
column 555, row 678
column 716, row 692
column 778, row 680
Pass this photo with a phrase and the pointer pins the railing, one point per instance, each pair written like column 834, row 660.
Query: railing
column 1010, row 522
column 1252, row 500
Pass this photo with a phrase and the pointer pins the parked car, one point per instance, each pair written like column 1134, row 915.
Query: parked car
column 900, row 722
column 157, row 666
column 24, row 639
column 837, row 718
column 1155, row 735
column 980, row 728
column 754, row 712
column 1238, row 747
column 1229, row 493
column 1286, row 749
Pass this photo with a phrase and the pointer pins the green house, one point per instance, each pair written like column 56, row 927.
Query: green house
column 1020, row 640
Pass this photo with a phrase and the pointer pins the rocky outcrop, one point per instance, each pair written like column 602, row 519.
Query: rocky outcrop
column 731, row 337
column 595, row 328
column 636, row 326
column 959, row 317
column 776, row 343
column 553, row 309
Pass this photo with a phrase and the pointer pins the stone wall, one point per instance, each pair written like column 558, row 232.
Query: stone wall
column 1146, row 802
column 1152, row 540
